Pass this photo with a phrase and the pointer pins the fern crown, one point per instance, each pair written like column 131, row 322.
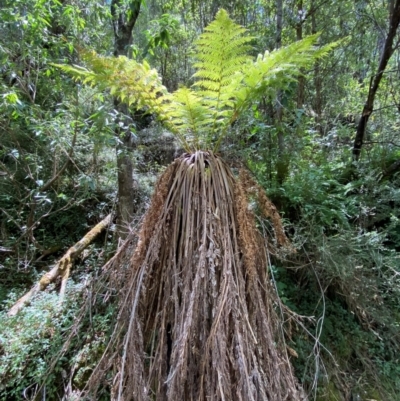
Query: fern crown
column 227, row 81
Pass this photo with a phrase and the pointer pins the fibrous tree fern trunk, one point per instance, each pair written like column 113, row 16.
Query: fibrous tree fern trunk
column 197, row 313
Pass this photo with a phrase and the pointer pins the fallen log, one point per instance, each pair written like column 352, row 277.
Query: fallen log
column 62, row 268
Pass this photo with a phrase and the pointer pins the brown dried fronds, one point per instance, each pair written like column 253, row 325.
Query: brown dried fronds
column 267, row 207
column 152, row 216
column 196, row 318
column 249, row 237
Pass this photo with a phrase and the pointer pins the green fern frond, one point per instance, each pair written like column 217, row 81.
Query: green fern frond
column 274, row 70
column 186, row 116
column 132, row 82
column 77, row 72
column 221, row 52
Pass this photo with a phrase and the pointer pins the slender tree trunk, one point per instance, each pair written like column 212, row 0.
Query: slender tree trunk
column 299, row 36
column 281, row 165
column 126, row 191
column 317, row 80
column 124, row 19
column 391, row 7
column 387, row 52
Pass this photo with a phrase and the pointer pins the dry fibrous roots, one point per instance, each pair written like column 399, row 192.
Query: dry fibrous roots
column 197, row 320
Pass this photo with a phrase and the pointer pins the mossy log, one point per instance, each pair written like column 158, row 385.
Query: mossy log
column 62, row 268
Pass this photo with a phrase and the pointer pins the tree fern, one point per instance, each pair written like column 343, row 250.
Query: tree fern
column 227, row 81
column 196, row 314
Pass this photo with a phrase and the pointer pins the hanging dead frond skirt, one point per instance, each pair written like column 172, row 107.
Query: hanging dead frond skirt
column 197, row 321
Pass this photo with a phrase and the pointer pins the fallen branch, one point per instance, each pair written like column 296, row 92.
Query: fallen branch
column 63, row 266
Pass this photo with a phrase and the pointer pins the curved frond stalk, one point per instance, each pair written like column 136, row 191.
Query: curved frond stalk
column 196, row 315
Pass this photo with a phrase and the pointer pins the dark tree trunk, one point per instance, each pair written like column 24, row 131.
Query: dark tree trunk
column 299, row 36
column 126, row 190
column 317, row 79
column 124, row 19
column 281, row 164
column 376, row 79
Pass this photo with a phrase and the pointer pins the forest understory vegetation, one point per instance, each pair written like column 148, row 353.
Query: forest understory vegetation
column 329, row 295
